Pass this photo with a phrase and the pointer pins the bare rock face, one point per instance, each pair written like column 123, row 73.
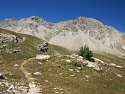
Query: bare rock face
column 71, row 34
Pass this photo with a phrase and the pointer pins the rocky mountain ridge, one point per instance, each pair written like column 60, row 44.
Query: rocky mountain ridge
column 71, row 34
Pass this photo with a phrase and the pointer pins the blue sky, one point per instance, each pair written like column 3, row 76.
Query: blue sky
column 109, row 12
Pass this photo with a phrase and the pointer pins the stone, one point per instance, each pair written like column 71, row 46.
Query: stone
column 119, row 66
column 43, row 57
column 11, row 87
column 40, row 63
column 112, row 64
column 71, row 69
column 44, row 47
column 87, row 76
column 93, row 65
column 24, row 39
column 80, row 68
column 72, row 75
column 68, row 61
column 119, row 75
column 46, row 81
column 1, row 76
column 16, row 65
column 37, row 73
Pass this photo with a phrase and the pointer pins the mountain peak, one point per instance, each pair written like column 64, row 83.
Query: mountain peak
column 35, row 18
column 80, row 18
column 83, row 31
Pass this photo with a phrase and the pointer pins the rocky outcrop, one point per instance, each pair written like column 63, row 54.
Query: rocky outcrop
column 5, row 45
column 8, row 38
column 44, row 47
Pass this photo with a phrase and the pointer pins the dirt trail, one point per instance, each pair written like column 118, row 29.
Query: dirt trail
column 33, row 88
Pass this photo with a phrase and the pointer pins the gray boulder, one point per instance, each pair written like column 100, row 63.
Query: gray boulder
column 1, row 76
column 44, row 47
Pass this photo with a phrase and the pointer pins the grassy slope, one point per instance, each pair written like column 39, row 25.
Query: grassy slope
column 55, row 72
column 28, row 47
column 28, row 50
column 86, row 81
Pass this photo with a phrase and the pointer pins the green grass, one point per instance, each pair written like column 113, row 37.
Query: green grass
column 109, row 58
column 12, row 76
column 28, row 48
column 76, row 64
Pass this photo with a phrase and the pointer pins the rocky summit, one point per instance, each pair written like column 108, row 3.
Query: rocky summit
column 71, row 34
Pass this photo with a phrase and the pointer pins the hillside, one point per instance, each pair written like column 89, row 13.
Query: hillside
column 26, row 47
column 59, row 72
column 71, row 34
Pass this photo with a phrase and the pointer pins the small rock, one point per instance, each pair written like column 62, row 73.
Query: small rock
column 1, row 76
column 71, row 69
column 16, row 65
column 80, row 68
column 11, row 87
column 34, row 85
column 68, row 61
column 37, row 73
column 119, row 75
column 119, row 66
column 54, row 88
column 24, row 39
column 87, row 76
column 42, row 57
column 40, row 63
column 77, row 71
column 112, row 64
column 72, row 75
column 46, row 81
column 91, row 65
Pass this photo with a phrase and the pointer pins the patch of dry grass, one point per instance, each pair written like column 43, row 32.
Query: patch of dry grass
column 56, row 77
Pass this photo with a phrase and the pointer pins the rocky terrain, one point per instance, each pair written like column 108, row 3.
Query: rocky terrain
column 71, row 34
column 30, row 65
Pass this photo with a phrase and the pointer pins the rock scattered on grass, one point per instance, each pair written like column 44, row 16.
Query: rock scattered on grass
column 119, row 66
column 68, row 61
column 40, row 63
column 112, row 64
column 1, row 76
column 16, row 65
column 71, row 69
column 119, row 75
column 37, row 73
column 43, row 57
